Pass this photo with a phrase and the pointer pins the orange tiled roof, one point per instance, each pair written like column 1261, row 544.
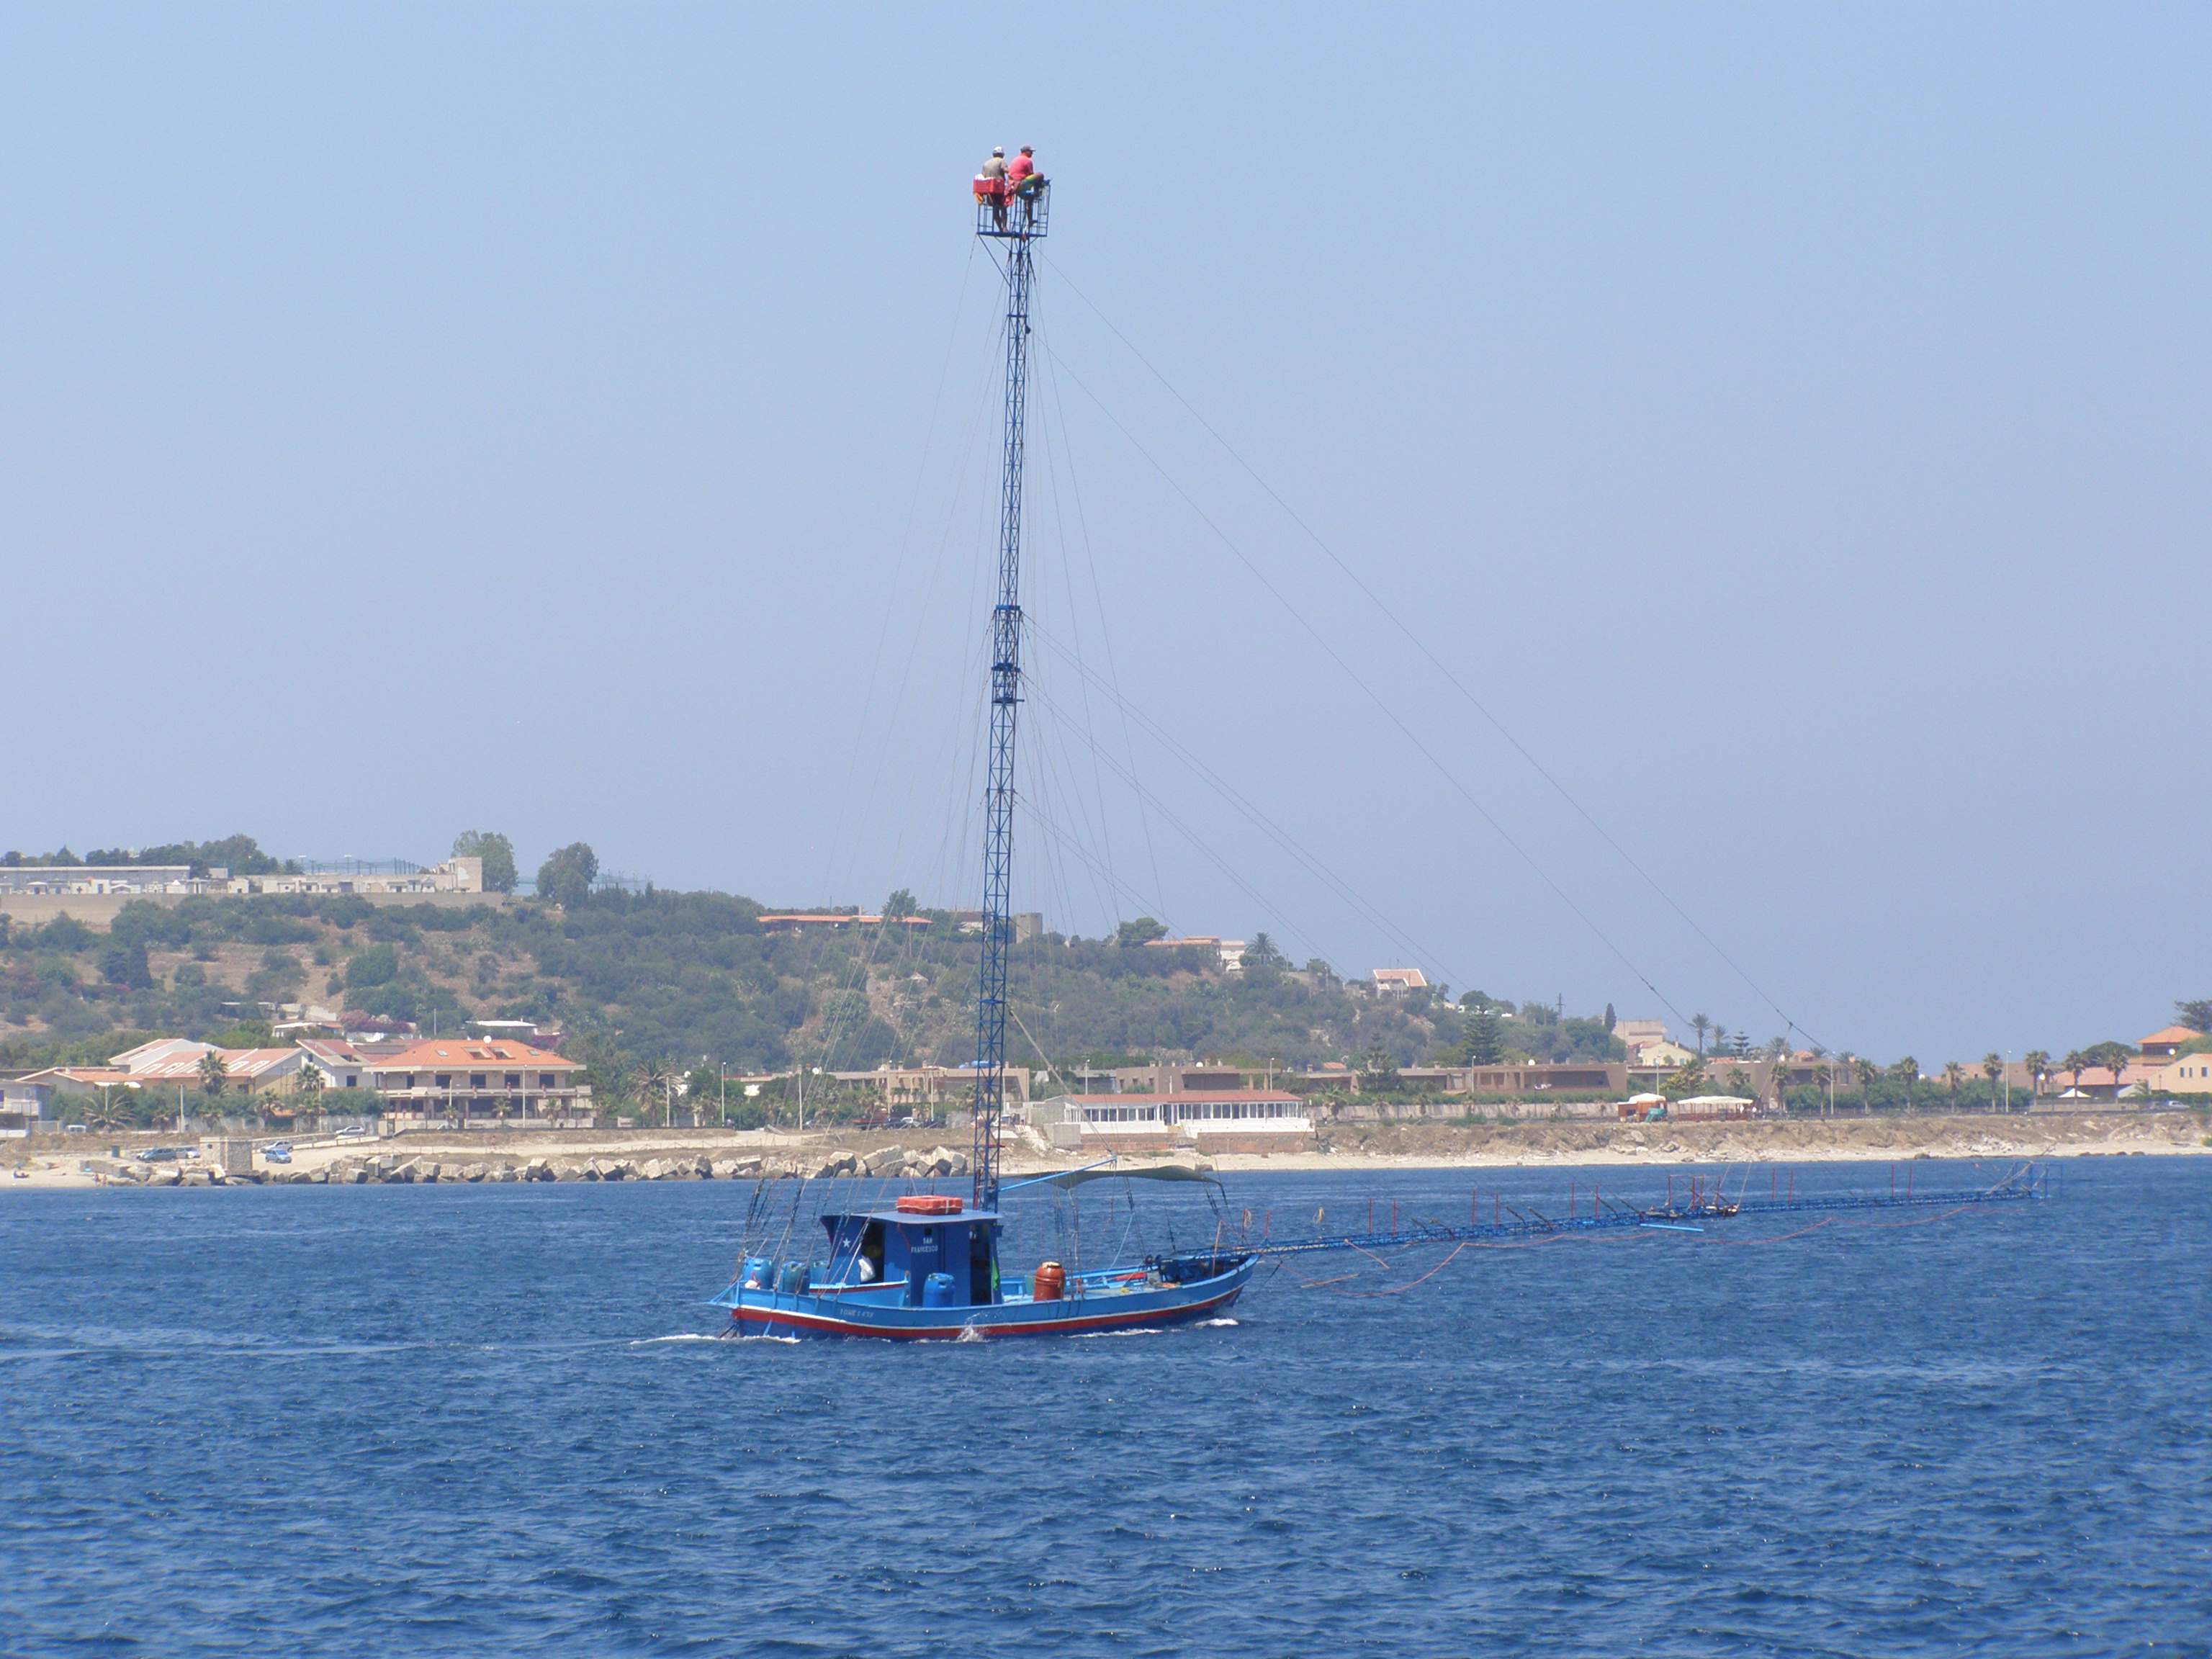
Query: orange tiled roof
column 2176, row 1034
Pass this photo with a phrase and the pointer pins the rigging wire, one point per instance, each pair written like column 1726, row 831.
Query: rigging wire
column 1431, row 657
column 905, row 544
column 1059, row 408
column 1310, row 861
column 1388, row 712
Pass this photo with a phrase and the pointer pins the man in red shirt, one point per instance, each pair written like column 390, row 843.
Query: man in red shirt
column 1024, row 180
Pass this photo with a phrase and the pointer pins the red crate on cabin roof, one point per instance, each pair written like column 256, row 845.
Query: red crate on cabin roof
column 928, row 1204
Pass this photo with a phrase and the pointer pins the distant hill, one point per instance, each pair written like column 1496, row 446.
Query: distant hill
column 672, row 978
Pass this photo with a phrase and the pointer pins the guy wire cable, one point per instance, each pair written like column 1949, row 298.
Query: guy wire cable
column 1310, row 861
column 1414, row 640
column 1388, row 712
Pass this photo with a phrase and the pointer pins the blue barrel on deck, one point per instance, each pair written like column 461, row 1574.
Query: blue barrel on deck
column 793, row 1280
column 759, row 1274
column 937, row 1292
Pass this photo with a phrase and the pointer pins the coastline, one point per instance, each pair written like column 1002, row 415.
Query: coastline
column 447, row 1157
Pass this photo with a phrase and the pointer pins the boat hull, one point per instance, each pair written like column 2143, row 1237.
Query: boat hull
column 761, row 1313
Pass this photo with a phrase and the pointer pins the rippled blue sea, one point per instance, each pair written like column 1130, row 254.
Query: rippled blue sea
column 442, row 1420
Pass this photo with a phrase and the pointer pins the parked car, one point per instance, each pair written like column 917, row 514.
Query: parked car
column 355, row 1132
column 277, row 1151
column 156, row 1155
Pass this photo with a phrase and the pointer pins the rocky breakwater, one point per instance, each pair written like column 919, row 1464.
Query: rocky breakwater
column 396, row 1170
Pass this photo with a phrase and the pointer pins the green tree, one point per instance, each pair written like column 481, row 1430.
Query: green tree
column 567, row 877
column 1261, row 953
column 657, row 1082
column 1993, row 1069
column 1686, row 1080
column 123, row 962
column 1867, row 1071
column 497, row 853
column 2075, row 1063
column 1700, row 1024
column 1143, row 931
column 309, row 1084
column 1906, row 1070
column 2039, row 1067
column 377, row 965
column 702, row 1087
column 213, row 1073
column 1954, row 1075
column 2197, row 1015
column 2112, row 1057
column 1378, row 1072
column 899, row 906
column 1485, row 1043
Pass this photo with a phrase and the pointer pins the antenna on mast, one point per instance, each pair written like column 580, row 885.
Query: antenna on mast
column 1011, row 204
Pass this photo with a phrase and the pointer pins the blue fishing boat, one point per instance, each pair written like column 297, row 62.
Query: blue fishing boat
column 927, row 1269
column 929, row 1266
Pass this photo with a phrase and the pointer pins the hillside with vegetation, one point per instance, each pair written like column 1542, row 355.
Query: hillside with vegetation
column 654, row 982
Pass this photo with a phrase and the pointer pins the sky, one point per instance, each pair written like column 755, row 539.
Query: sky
column 1701, row 509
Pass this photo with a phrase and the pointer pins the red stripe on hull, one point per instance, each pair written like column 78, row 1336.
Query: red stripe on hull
column 770, row 1316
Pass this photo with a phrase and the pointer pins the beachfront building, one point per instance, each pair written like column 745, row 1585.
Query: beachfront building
column 2165, row 1044
column 244, row 1071
column 489, row 1082
column 338, row 1062
column 24, row 1105
column 911, row 1088
column 1221, row 1121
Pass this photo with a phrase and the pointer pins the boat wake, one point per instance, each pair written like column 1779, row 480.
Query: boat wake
column 680, row 1336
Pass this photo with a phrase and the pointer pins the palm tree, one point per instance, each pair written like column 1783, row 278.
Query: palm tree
column 1953, row 1074
column 2039, row 1067
column 1867, row 1072
column 213, row 1073
column 1909, row 1069
column 2076, row 1062
column 1823, row 1076
column 657, row 1077
column 101, row 1113
column 1992, row 1068
column 1700, row 1024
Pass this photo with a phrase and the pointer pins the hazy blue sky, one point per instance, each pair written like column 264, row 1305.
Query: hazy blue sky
column 1790, row 423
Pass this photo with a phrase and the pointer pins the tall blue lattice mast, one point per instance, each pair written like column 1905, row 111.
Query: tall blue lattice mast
column 1015, row 222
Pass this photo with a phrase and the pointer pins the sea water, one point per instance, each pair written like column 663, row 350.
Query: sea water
column 478, row 1420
